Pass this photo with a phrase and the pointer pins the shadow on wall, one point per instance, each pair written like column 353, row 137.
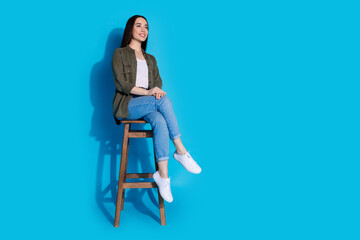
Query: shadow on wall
column 109, row 135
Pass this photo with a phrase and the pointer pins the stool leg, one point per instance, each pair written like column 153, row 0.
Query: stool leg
column 123, row 162
column 126, row 163
column 161, row 200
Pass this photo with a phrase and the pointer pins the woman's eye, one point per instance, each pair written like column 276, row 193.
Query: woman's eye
column 140, row 26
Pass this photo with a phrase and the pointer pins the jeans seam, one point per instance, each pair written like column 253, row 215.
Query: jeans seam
column 162, row 159
column 176, row 136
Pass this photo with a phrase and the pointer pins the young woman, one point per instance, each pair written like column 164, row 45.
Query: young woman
column 139, row 95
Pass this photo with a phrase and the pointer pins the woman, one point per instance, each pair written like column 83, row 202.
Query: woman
column 139, row 95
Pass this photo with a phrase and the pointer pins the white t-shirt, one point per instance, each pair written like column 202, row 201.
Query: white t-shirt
column 142, row 78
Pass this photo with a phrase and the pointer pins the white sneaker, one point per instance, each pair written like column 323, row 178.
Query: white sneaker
column 188, row 162
column 164, row 186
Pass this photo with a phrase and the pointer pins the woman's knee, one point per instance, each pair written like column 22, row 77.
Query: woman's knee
column 166, row 100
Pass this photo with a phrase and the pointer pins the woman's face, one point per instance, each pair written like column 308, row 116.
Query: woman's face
column 140, row 29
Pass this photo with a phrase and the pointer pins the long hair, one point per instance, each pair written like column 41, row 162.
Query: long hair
column 129, row 31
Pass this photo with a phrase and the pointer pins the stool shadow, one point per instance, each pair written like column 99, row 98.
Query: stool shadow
column 109, row 136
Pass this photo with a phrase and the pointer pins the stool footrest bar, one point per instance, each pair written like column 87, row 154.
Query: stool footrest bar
column 139, row 175
column 140, row 134
column 140, row 185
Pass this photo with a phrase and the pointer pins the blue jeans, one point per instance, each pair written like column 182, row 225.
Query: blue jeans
column 160, row 114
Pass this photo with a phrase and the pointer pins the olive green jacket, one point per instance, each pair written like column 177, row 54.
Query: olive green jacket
column 124, row 66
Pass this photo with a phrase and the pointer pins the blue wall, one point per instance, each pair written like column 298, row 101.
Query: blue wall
column 266, row 94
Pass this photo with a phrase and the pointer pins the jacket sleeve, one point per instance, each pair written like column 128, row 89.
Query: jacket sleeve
column 157, row 81
column 121, row 84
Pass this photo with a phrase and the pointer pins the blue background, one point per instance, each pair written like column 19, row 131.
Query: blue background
column 266, row 94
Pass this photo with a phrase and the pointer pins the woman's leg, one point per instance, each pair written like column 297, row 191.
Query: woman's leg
column 164, row 106
column 141, row 106
column 163, row 168
column 161, row 140
column 180, row 149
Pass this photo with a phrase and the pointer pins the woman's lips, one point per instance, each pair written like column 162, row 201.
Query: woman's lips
column 142, row 35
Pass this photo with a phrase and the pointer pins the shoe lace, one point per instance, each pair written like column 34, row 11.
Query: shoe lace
column 167, row 185
column 189, row 157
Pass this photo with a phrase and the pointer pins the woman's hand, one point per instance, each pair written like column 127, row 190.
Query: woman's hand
column 157, row 92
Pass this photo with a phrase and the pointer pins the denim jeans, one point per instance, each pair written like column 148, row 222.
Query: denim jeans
column 160, row 114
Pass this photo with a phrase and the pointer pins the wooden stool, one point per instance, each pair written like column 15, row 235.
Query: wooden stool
column 123, row 175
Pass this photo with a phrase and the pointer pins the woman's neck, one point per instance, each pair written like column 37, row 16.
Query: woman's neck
column 135, row 45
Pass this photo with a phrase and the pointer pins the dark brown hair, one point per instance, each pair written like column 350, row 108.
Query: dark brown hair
column 128, row 32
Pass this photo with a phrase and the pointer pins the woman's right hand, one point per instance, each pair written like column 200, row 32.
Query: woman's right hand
column 157, row 92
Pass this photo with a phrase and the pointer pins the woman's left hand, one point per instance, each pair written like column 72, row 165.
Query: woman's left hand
column 159, row 95
column 157, row 92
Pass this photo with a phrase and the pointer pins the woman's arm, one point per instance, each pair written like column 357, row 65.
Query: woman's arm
column 139, row 91
column 156, row 90
column 127, row 87
column 117, row 67
column 158, row 81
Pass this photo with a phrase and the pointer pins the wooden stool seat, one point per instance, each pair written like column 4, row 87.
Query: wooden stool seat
column 123, row 175
column 133, row 121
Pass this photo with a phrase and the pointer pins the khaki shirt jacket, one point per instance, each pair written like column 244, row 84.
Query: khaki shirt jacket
column 124, row 66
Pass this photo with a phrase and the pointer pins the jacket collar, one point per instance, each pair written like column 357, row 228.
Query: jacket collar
column 130, row 49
